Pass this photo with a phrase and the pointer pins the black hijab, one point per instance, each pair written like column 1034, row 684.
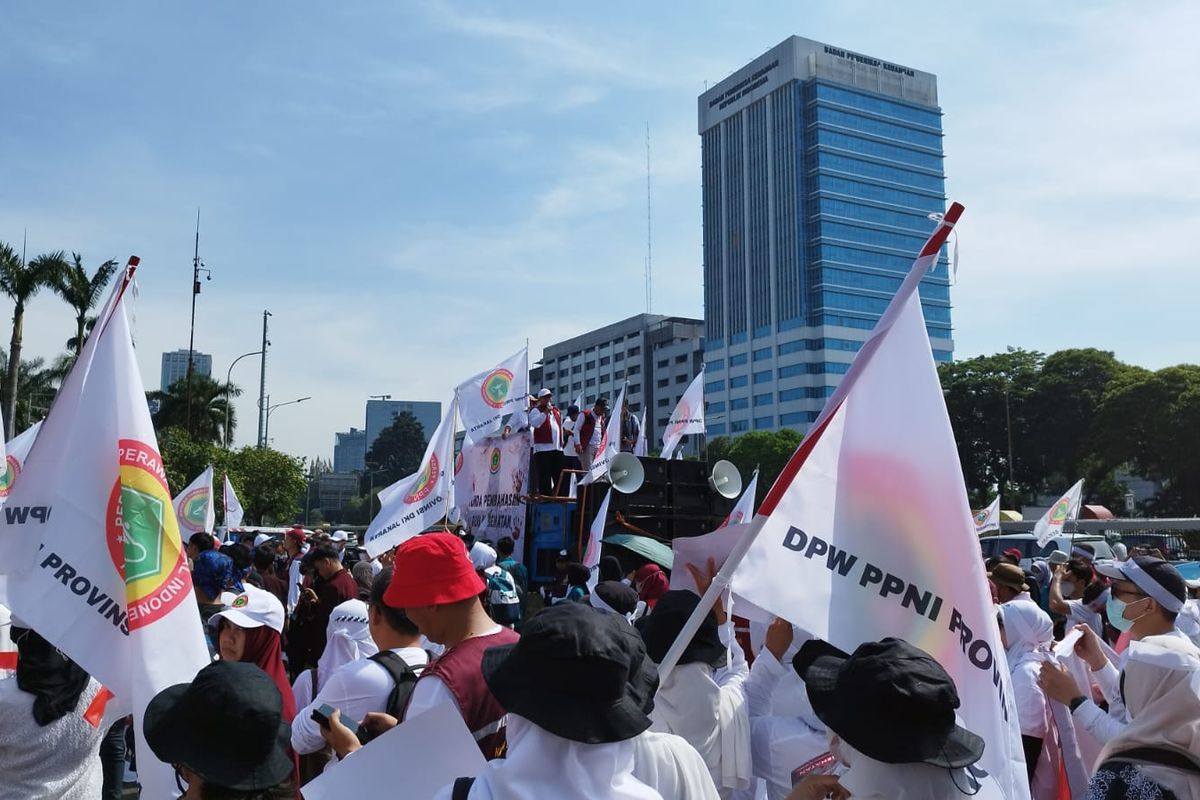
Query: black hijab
column 55, row 681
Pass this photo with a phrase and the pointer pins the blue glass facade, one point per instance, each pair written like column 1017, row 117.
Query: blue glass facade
column 818, row 182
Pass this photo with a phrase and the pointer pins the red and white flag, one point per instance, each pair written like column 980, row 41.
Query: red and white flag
column 744, row 510
column 1064, row 509
column 412, row 504
column 688, row 416
column 97, row 564
column 590, row 557
column 868, row 533
column 610, row 442
column 989, row 518
column 233, row 506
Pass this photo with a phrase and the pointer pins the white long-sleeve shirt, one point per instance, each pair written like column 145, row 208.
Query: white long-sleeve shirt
column 356, row 689
column 536, row 418
column 707, row 707
column 778, row 744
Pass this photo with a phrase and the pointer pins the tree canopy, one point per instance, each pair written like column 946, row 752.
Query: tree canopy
column 398, row 450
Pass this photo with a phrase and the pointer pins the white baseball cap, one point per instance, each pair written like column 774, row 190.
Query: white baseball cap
column 545, row 393
column 340, row 536
column 253, row 608
column 262, row 537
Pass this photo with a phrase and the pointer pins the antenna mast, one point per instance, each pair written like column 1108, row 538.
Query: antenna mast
column 649, row 269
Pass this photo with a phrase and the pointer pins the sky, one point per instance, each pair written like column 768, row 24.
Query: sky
column 414, row 189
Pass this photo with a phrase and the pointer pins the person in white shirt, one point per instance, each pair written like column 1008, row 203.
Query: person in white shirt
column 703, row 699
column 546, row 423
column 1075, row 596
column 365, row 685
column 1147, row 596
column 347, row 638
column 784, row 731
column 589, row 432
column 569, row 423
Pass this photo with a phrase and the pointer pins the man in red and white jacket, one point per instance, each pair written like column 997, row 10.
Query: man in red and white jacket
column 546, row 422
column 589, row 432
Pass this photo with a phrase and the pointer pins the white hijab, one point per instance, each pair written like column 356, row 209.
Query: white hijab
column 1028, row 631
column 868, row 779
column 1162, row 696
column 541, row 765
column 347, row 638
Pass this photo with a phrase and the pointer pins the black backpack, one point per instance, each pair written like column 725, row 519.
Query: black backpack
column 403, row 677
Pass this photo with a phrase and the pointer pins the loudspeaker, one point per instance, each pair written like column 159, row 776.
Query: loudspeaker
column 625, row 473
column 725, row 479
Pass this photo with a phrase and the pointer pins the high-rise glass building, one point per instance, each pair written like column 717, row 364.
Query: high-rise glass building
column 821, row 167
column 174, row 367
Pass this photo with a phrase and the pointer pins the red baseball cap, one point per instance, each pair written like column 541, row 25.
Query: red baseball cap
column 432, row 570
column 297, row 533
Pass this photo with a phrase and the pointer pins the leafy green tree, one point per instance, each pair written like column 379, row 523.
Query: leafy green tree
column 82, row 291
column 988, row 400
column 768, row 451
column 21, row 281
column 210, row 402
column 269, row 483
column 1151, row 422
column 397, row 451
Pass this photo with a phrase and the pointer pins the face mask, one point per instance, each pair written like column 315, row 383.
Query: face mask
column 1116, row 613
column 1068, row 588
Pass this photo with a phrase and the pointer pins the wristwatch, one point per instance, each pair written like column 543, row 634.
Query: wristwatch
column 1076, row 703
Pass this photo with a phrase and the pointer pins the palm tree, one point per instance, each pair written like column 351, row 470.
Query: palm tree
column 21, row 281
column 82, row 292
column 39, row 385
column 209, row 402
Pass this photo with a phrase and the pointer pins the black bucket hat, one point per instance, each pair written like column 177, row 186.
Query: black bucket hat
column 889, row 700
column 569, row 674
column 226, row 726
column 661, row 626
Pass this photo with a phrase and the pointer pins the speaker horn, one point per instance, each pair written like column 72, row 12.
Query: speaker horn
column 626, row 473
column 725, row 479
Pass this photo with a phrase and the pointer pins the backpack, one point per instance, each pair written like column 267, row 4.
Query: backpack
column 403, row 677
column 501, row 587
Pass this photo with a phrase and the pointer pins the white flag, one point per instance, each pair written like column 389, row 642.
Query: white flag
column 412, row 504
column 610, row 442
column 194, row 506
column 744, row 510
column 591, row 553
column 640, row 449
column 1052, row 522
column 105, row 577
column 989, row 518
column 14, row 455
column 485, row 399
column 867, row 533
column 233, row 506
column 688, row 416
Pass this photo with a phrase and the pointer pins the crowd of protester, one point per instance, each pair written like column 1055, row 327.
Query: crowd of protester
column 559, row 686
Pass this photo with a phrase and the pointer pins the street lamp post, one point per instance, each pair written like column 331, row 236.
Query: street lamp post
column 228, row 400
column 270, row 408
column 197, row 268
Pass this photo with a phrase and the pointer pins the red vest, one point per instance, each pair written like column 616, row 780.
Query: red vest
column 459, row 668
column 544, row 433
column 590, row 420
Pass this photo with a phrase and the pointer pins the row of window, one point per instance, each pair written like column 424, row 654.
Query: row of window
column 667, row 381
column 564, row 391
column 865, row 124
column 879, row 105
column 912, row 220
column 760, row 423
column 666, row 362
column 909, row 243
column 789, row 371
column 870, row 147
column 867, row 189
column 870, row 169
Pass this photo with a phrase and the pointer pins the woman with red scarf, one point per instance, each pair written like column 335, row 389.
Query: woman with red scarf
column 249, row 631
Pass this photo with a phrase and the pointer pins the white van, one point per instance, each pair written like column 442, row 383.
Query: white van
column 1027, row 544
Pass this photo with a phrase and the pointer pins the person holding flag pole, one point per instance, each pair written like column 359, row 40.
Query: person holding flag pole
column 839, row 545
